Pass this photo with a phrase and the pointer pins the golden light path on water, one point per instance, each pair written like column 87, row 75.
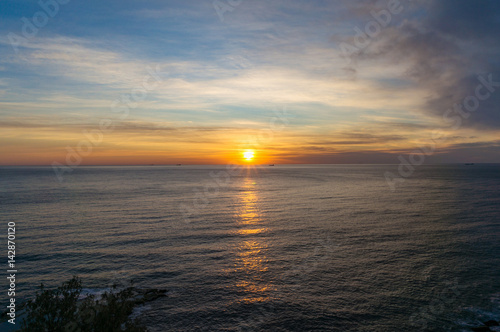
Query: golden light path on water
column 251, row 261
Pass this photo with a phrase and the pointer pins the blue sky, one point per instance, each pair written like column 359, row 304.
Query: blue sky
column 220, row 81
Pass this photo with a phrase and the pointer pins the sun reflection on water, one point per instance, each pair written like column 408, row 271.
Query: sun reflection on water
column 251, row 262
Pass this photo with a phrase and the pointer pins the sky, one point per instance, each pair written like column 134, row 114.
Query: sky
column 202, row 82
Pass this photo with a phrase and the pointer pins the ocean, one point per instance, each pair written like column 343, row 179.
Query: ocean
column 283, row 248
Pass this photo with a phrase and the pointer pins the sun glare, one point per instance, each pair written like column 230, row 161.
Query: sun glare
column 248, row 155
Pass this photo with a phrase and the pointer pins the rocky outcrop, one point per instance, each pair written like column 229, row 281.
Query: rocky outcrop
column 487, row 327
column 141, row 296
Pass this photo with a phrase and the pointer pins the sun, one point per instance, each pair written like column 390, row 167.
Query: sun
column 248, row 155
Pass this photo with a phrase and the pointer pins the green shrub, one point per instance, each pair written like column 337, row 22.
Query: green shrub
column 59, row 310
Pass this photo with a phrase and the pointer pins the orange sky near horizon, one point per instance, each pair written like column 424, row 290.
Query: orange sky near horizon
column 293, row 145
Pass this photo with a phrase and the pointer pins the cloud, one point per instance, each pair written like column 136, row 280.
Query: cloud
column 359, row 139
column 444, row 52
column 463, row 19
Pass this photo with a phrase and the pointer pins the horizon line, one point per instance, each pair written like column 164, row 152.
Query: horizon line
column 179, row 165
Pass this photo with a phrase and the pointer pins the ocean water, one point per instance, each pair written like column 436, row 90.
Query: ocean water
column 284, row 248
